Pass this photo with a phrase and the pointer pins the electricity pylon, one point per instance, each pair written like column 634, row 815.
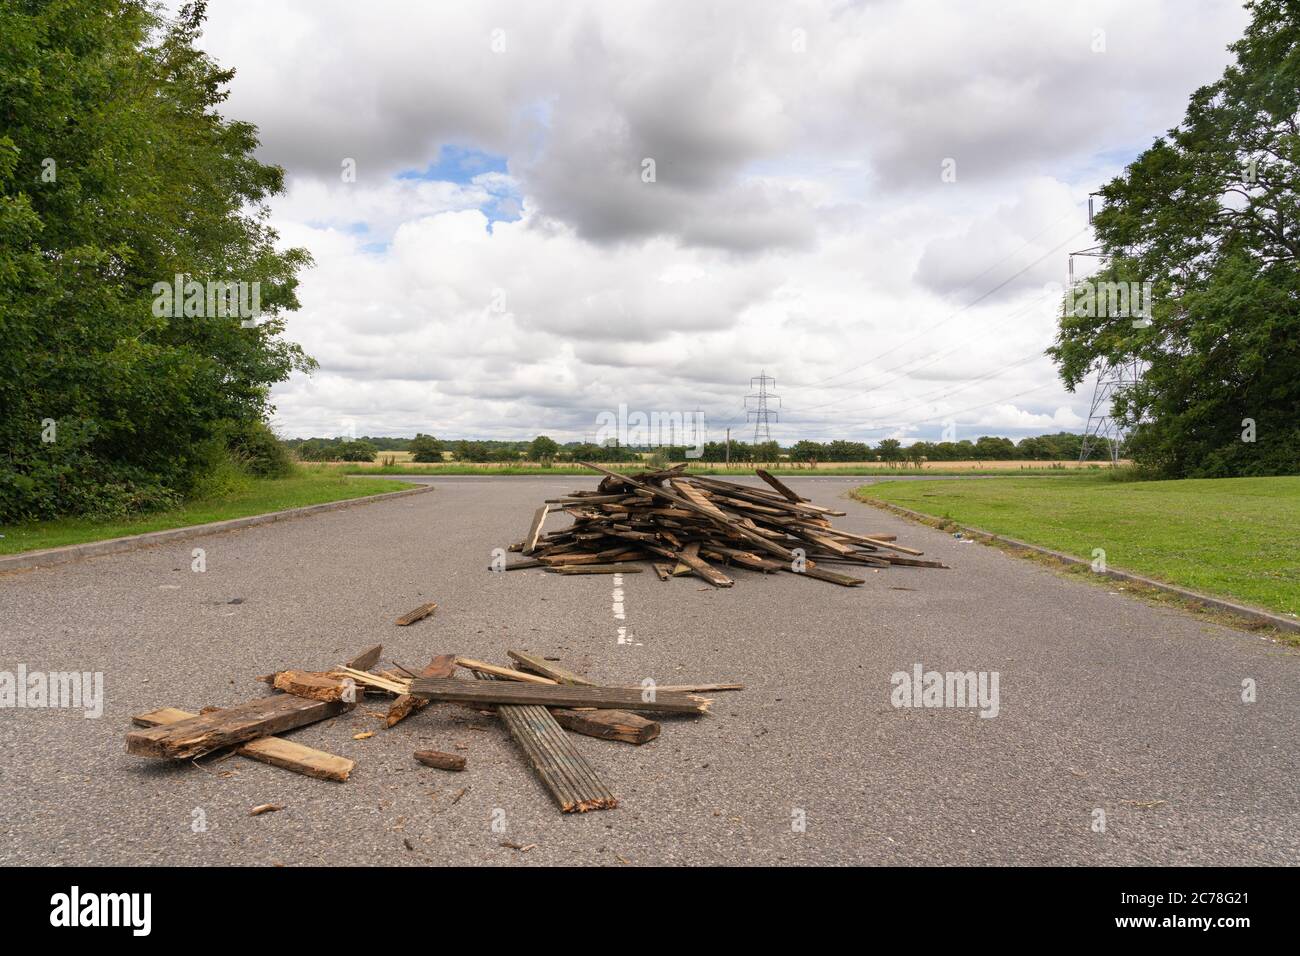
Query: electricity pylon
column 761, row 415
column 1112, row 378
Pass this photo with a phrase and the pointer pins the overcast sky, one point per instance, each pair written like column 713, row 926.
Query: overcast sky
column 500, row 267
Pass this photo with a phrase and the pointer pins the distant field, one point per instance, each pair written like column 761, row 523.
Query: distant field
column 255, row 496
column 403, row 466
column 1231, row 537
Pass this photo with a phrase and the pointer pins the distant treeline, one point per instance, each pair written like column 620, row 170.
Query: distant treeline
column 1062, row 446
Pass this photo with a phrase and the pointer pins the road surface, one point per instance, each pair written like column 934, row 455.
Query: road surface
column 1106, row 705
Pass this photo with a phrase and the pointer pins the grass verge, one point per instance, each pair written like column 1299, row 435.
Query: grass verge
column 238, row 499
column 1229, row 537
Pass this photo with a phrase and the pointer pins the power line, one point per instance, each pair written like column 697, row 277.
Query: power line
column 953, row 315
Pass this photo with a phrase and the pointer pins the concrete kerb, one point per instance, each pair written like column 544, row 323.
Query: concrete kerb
column 50, row 557
column 1258, row 615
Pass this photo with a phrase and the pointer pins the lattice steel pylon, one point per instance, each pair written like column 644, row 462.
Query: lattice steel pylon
column 1112, row 378
column 761, row 415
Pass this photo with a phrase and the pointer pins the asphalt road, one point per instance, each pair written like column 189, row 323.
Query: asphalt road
column 1105, row 703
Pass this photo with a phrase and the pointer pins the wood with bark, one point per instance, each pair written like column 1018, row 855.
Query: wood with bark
column 440, row 760
column 264, row 717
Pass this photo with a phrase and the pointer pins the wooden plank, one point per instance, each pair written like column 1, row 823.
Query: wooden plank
column 563, row 771
column 559, row 695
column 264, row 717
column 367, row 658
column 440, row 760
column 275, row 751
column 546, row 668
column 608, row 725
column 703, row 568
column 539, row 519
column 444, row 665
column 617, row 568
column 779, row 486
column 505, row 673
column 419, row 614
column 821, row 574
column 663, row 570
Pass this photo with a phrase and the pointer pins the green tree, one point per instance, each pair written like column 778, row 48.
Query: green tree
column 543, row 449
column 1210, row 215
column 425, row 448
column 890, row 449
column 117, row 174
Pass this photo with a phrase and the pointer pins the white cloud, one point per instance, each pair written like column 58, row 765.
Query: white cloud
column 797, row 222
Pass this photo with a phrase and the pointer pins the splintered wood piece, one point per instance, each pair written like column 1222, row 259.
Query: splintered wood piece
column 264, row 717
column 315, row 685
column 663, row 570
column 504, row 672
column 544, row 667
column 557, row 695
column 779, row 486
column 608, row 725
column 444, row 665
column 561, row 768
column 275, row 751
column 367, row 658
column 421, row 612
column 539, row 519
column 440, row 760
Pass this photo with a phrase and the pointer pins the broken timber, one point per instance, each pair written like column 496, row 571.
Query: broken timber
column 264, row 717
column 419, row 614
column 562, row 770
column 444, row 665
column 275, row 751
column 681, row 524
column 440, row 760
column 608, row 725
column 558, row 695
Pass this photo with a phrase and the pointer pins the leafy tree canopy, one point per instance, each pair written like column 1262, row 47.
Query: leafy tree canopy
column 118, row 174
column 1210, row 215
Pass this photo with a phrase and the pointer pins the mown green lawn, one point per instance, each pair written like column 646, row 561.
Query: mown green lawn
column 1230, row 537
column 253, row 496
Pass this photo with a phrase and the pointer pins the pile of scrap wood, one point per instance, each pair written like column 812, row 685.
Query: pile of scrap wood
column 680, row 524
column 536, row 700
